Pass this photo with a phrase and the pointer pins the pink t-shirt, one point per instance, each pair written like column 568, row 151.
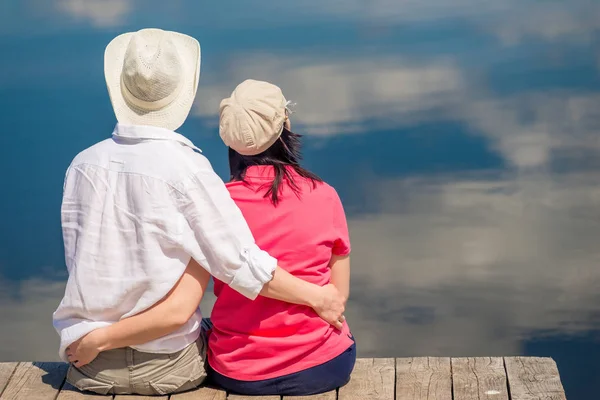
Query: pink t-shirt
column 266, row 338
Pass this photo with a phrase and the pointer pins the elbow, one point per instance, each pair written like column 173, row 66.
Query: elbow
column 177, row 318
column 345, row 298
column 176, row 322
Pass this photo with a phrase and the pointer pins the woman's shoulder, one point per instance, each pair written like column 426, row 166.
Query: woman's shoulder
column 322, row 189
column 237, row 188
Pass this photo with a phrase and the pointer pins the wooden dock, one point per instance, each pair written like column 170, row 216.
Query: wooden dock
column 426, row 378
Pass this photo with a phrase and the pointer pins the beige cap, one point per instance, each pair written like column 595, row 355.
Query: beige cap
column 252, row 119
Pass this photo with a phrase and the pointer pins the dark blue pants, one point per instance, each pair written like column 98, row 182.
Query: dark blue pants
column 320, row 379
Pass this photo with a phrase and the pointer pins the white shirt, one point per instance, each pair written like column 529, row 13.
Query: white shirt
column 135, row 209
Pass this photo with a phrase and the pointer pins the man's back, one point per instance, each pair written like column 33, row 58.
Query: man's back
column 122, row 230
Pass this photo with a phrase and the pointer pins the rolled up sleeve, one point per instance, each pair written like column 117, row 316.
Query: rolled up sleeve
column 225, row 246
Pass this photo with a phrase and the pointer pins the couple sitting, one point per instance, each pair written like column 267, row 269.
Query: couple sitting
column 146, row 221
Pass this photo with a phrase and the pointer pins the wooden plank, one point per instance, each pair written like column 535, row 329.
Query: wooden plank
column 424, row 378
column 238, row 397
column 324, row 396
column 533, row 378
column 35, row 381
column 371, row 379
column 203, row 393
column 6, row 372
column 482, row 378
column 69, row 392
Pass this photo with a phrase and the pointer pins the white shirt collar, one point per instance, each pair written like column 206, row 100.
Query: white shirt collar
column 145, row 132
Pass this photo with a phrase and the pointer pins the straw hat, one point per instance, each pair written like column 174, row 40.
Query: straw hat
column 152, row 77
column 252, row 119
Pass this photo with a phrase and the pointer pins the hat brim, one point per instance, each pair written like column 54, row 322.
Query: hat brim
column 171, row 116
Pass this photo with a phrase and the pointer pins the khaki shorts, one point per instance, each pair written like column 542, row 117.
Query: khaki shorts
column 128, row 371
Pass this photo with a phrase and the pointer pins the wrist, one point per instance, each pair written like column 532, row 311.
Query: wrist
column 100, row 339
column 344, row 299
column 314, row 296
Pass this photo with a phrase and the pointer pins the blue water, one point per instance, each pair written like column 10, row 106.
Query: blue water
column 463, row 137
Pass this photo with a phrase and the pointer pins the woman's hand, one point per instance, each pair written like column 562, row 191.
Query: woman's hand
column 86, row 349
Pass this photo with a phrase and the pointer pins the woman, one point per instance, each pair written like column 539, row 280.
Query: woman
column 265, row 346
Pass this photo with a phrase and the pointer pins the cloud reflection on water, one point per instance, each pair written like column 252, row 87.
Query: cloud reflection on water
column 346, row 95
column 101, row 13
column 510, row 21
column 491, row 260
column 527, row 128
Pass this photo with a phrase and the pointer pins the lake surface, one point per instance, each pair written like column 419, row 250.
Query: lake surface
column 463, row 137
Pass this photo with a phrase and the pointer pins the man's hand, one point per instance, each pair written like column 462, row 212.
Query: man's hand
column 86, row 349
column 330, row 305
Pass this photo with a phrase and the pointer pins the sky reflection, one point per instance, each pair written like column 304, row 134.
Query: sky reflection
column 462, row 135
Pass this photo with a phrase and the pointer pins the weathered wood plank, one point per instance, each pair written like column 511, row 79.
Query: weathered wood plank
column 371, row 379
column 68, row 392
column 203, row 393
column 481, row 378
column 6, row 371
column 533, row 378
column 424, row 378
column 35, row 381
column 324, row 396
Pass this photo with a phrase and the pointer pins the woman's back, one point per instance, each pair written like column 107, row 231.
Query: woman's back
column 265, row 338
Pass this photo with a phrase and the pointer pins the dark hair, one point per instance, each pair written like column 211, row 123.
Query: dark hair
column 282, row 155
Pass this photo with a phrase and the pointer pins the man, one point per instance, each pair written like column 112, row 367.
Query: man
column 143, row 212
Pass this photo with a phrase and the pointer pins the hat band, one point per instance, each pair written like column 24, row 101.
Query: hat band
column 150, row 105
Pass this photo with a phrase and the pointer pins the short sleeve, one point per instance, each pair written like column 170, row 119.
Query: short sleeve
column 341, row 242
